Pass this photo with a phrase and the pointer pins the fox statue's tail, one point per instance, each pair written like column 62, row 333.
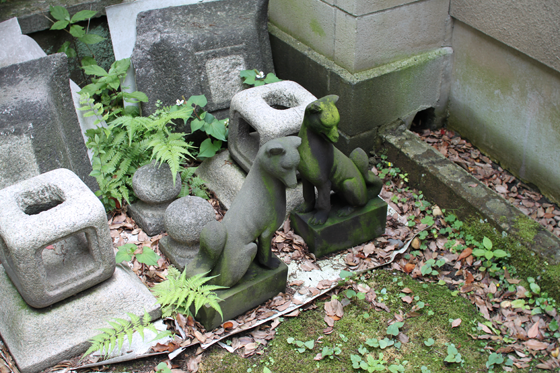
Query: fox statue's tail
column 212, row 242
column 360, row 159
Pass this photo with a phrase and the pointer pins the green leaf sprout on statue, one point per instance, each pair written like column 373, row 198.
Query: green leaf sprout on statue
column 177, row 294
column 255, row 78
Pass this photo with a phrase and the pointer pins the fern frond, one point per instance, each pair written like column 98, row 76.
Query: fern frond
column 173, row 273
column 178, row 293
column 114, row 336
column 214, row 304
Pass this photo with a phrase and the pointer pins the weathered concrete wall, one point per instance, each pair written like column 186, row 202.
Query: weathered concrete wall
column 507, row 104
column 386, row 60
column 362, row 34
column 529, row 26
column 369, row 99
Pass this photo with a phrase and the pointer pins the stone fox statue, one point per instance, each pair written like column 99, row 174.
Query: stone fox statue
column 324, row 167
column 227, row 248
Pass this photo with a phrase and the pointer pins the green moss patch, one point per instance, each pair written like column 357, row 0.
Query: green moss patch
column 428, row 329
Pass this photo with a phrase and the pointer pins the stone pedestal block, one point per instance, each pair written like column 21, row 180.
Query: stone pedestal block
column 55, row 241
column 339, row 233
column 40, row 338
column 148, row 217
column 257, row 286
column 179, row 254
column 263, row 113
column 200, row 49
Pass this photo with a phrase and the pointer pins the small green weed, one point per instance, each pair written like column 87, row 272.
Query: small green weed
column 370, row 364
column 255, row 78
column 128, row 251
column 301, row 346
column 64, row 22
column 453, row 356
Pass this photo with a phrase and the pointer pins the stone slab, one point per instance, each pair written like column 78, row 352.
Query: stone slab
column 369, row 99
column 376, row 39
column 179, row 254
column 149, row 217
column 122, row 25
column 257, row 286
column 310, row 21
column 338, row 233
column 200, row 49
column 497, row 103
column 38, row 339
column 15, row 47
column 223, row 176
column 36, row 109
column 528, row 26
column 363, row 7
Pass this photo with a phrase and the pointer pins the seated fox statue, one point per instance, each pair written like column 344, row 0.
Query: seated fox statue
column 227, row 248
column 326, row 168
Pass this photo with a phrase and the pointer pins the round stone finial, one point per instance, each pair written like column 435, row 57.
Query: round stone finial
column 153, row 183
column 185, row 218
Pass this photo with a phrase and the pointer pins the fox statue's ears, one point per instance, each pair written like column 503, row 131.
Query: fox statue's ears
column 279, row 148
column 276, row 150
column 315, row 106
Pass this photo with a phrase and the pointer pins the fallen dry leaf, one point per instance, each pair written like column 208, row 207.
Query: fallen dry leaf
column 456, row 323
column 334, row 308
column 199, row 336
column 533, row 344
column 295, row 313
column 484, row 328
column 467, row 252
column 534, row 331
column 407, row 299
column 307, row 266
column 409, row 267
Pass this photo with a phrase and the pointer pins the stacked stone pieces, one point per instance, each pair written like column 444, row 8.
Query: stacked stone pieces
column 153, row 185
column 184, row 220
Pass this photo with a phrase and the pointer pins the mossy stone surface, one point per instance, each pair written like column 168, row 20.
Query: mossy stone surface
column 257, row 286
column 338, row 233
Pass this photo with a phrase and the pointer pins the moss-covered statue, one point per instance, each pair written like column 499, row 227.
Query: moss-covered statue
column 326, row 168
column 227, row 248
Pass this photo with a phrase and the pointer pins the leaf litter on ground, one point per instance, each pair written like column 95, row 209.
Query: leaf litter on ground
column 311, row 279
column 464, row 154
